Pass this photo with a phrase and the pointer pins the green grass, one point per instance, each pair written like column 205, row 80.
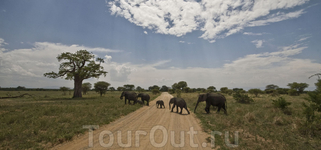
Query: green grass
column 49, row 118
column 260, row 124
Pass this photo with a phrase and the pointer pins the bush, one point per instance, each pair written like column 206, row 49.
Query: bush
column 312, row 125
column 256, row 92
column 292, row 92
column 171, row 91
column 242, row 98
column 178, row 91
column 281, row 103
column 155, row 91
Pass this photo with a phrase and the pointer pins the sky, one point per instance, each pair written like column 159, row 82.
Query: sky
column 222, row 43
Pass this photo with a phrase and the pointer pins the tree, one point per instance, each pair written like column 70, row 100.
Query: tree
column 181, row 85
column 138, row 88
column 78, row 67
column 238, row 89
column 155, row 91
column 271, row 87
column 86, row 87
column 186, row 89
column 201, row 89
column 153, row 87
column 129, row 87
column 112, row 89
column 224, row 89
column 101, row 87
column 299, row 87
column 282, row 90
column 21, row 88
column 120, row 88
column 175, row 86
column 64, row 89
column 211, row 89
column 255, row 91
column 164, row 88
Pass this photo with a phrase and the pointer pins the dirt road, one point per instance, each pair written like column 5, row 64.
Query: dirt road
column 147, row 128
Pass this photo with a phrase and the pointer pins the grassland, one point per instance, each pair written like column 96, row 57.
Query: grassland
column 49, row 118
column 260, row 125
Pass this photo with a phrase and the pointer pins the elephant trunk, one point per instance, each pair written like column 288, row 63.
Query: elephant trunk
column 169, row 105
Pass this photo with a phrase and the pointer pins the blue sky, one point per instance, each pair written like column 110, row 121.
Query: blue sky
column 222, row 43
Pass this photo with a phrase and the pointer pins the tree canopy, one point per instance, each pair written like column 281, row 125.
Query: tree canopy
column 78, row 66
column 101, row 87
column 86, row 87
column 299, row 87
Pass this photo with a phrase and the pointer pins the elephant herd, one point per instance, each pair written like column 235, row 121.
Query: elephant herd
column 211, row 99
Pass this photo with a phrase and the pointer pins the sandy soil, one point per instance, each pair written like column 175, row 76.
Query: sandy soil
column 147, row 128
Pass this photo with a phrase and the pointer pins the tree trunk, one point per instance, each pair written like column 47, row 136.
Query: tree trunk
column 77, row 88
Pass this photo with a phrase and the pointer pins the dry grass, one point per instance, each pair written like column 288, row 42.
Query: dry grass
column 49, row 118
column 260, row 125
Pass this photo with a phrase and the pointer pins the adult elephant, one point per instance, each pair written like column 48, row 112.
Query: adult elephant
column 144, row 97
column 214, row 99
column 129, row 95
column 178, row 102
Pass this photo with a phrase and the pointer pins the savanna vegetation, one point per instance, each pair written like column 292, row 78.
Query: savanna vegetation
column 268, row 122
column 43, row 119
column 276, row 118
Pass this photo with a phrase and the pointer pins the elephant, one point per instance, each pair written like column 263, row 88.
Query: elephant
column 178, row 102
column 214, row 99
column 160, row 103
column 129, row 95
column 144, row 97
column 140, row 102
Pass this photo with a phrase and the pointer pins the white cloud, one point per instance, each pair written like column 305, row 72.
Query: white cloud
column 25, row 67
column 2, row 43
column 258, row 43
column 251, row 33
column 217, row 19
column 145, row 32
column 276, row 18
column 303, row 39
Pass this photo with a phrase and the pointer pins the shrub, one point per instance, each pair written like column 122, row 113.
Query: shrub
column 155, row 91
column 312, row 125
column 242, row 98
column 171, row 91
column 281, row 103
column 256, row 92
column 292, row 92
column 178, row 91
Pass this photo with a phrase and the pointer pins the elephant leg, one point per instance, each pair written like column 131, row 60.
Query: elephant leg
column 219, row 108
column 186, row 109
column 148, row 103
column 173, row 107
column 207, row 108
column 177, row 109
column 164, row 105
column 181, row 110
column 224, row 110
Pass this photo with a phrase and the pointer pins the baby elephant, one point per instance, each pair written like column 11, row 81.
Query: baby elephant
column 160, row 103
column 139, row 102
